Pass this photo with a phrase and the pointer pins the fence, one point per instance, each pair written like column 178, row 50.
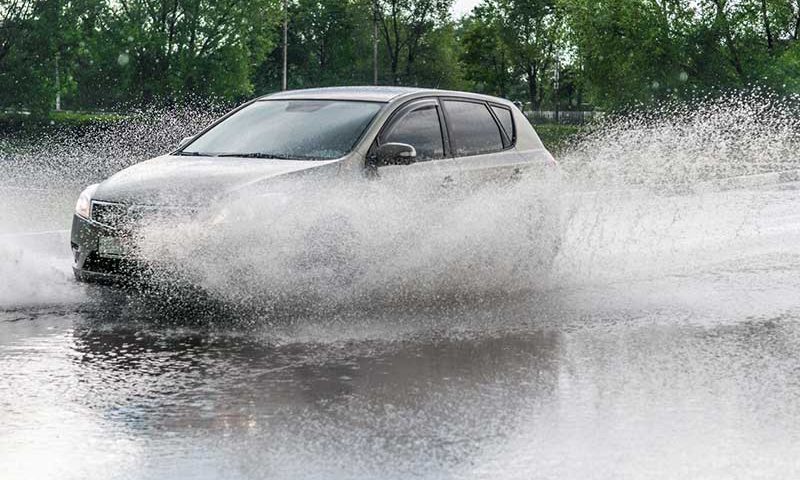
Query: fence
column 566, row 116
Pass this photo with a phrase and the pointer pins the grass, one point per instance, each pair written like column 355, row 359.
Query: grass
column 65, row 117
column 557, row 136
column 24, row 122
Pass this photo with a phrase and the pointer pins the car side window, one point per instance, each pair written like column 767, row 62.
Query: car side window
column 421, row 129
column 506, row 120
column 473, row 128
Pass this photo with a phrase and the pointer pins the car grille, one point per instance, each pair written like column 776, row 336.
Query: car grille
column 120, row 216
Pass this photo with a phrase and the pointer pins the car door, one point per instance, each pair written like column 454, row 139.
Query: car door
column 482, row 139
column 420, row 124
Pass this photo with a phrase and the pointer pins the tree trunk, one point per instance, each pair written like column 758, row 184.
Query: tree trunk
column 797, row 22
column 4, row 49
column 375, row 42
column 500, row 73
column 722, row 19
column 58, row 87
column 533, row 87
column 285, row 75
column 392, row 48
column 768, row 31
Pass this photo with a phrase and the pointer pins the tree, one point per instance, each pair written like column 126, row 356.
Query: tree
column 532, row 32
column 613, row 53
column 15, row 16
column 206, row 47
column 37, row 46
column 330, row 42
column 632, row 51
column 486, row 59
column 405, row 26
column 511, row 41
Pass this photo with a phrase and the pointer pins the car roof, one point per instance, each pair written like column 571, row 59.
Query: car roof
column 371, row 93
column 375, row 94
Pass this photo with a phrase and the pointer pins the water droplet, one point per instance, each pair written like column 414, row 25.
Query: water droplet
column 123, row 59
column 683, row 76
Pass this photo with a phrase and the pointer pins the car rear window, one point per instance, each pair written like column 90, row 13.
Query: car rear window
column 504, row 115
column 473, row 128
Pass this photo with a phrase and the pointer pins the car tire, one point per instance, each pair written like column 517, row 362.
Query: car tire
column 330, row 252
column 544, row 239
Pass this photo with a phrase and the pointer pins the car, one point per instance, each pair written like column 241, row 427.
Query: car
column 445, row 137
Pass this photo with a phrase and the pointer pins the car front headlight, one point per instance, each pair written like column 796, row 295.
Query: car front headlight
column 84, row 206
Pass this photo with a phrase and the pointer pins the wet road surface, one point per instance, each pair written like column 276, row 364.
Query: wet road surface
column 681, row 363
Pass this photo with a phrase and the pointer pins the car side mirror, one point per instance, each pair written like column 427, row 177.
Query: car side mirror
column 184, row 141
column 394, row 154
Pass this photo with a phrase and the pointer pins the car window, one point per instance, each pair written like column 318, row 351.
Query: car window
column 422, row 130
column 504, row 115
column 292, row 129
column 473, row 128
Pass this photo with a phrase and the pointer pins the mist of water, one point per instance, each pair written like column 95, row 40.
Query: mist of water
column 675, row 145
column 75, row 157
column 628, row 209
column 365, row 242
column 41, row 176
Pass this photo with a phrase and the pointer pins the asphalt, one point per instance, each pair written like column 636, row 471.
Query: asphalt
column 664, row 345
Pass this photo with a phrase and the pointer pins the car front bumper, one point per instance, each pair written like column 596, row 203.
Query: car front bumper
column 89, row 264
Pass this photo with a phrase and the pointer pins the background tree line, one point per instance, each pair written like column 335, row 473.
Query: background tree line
column 112, row 54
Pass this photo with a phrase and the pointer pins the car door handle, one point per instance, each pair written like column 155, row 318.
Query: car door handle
column 448, row 181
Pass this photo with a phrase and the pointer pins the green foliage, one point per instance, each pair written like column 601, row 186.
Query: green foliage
column 27, row 54
column 616, row 53
column 486, row 59
column 330, row 43
column 639, row 51
column 557, row 137
column 508, row 43
column 99, row 53
column 407, row 29
column 551, row 54
column 15, row 123
column 175, row 48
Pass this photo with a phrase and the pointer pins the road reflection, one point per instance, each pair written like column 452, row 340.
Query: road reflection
column 593, row 397
column 181, row 380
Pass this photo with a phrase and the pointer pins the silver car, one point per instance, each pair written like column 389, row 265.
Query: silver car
column 442, row 137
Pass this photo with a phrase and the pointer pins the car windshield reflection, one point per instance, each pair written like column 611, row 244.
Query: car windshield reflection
column 288, row 129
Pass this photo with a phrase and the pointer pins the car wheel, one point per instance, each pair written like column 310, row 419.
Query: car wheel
column 544, row 238
column 330, row 252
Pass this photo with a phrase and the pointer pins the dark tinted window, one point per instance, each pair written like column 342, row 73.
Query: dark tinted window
column 504, row 115
column 473, row 128
column 421, row 129
column 301, row 129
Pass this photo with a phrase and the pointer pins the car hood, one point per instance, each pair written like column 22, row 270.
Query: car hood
column 179, row 180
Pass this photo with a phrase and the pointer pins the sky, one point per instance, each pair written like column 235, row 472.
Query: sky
column 462, row 7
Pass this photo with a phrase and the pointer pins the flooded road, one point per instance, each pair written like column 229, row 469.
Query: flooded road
column 660, row 348
column 664, row 344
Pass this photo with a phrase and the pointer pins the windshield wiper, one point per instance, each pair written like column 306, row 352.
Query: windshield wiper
column 194, row 154
column 258, row 155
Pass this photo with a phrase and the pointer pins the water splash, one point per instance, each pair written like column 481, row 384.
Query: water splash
column 41, row 176
column 678, row 144
column 632, row 210
column 365, row 243
column 78, row 156
column 33, row 273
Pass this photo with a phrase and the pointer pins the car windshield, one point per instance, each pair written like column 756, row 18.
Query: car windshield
column 288, row 129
